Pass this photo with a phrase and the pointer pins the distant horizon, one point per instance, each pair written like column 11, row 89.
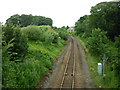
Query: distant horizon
column 62, row 12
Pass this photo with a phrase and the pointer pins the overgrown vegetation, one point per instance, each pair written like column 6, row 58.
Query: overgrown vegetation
column 101, row 35
column 16, row 41
column 28, row 54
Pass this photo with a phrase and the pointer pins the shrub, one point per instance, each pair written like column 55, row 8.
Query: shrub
column 96, row 43
column 63, row 35
column 19, row 40
column 23, row 75
column 48, row 37
column 51, row 36
column 8, row 30
column 32, row 32
column 20, row 43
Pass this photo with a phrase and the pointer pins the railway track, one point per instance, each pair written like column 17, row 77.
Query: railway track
column 72, row 70
column 68, row 79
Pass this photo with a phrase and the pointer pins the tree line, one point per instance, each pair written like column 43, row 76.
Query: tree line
column 104, row 15
column 25, row 20
column 101, row 33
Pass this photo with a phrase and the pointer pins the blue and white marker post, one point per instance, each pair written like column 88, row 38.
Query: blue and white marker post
column 99, row 68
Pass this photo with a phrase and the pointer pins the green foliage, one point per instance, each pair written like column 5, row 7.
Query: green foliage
column 117, row 42
column 117, row 65
column 15, row 19
column 8, row 32
column 25, row 20
column 12, row 35
column 82, row 25
column 32, row 32
column 34, row 66
column 104, row 15
column 5, row 53
column 51, row 36
column 20, row 44
column 62, row 32
column 63, row 35
column 100, row 32
column 48, row 37
column 110, row 79
column 20, row 75
column 41, row 33
column 36, row 47
column 96, row 43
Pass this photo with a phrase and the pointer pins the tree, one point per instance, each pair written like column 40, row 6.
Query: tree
column 82, row 25
column 97, row 41
column 25, row 20
column 15, row 19
column 12, row 35
column 8, row 32
column 105, row 16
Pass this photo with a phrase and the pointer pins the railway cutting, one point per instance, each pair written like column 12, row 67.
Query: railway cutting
column 71, row 70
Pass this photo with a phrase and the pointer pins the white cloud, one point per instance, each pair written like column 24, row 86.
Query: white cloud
column 63, row 12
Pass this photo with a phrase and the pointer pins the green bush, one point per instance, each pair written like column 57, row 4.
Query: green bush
column 23, row 75
column 63, row 35
column 33, row 32
column 99, row 44
column 8, row 31
column 51, row 36
column 5, row 53
column 19, row 41
column 96, row 43
column 42, row 33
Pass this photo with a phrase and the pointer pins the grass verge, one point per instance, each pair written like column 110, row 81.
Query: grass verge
column 108, row 80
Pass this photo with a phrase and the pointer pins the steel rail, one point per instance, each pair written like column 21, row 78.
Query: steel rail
column 61, row 85
column 73, row 71
column 73, row 82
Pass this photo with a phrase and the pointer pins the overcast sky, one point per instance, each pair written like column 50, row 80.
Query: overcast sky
column 62, row 12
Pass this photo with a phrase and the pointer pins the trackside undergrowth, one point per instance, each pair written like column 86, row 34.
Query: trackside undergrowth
column 106, row 80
